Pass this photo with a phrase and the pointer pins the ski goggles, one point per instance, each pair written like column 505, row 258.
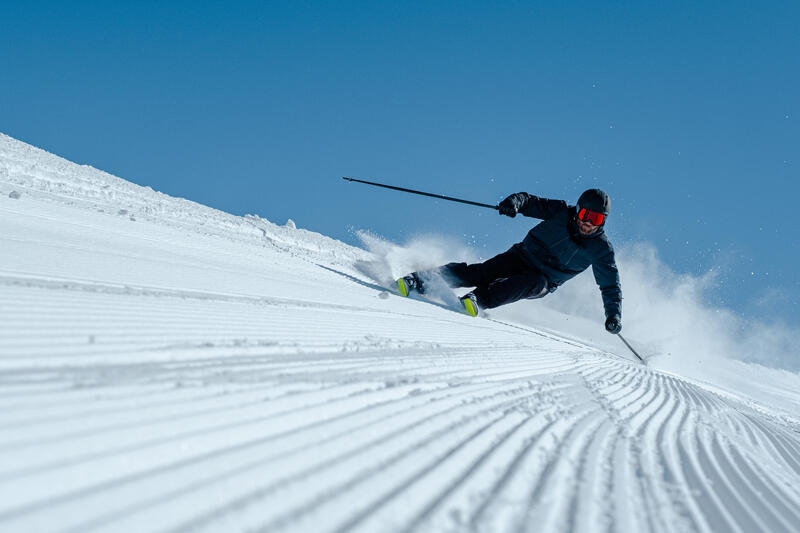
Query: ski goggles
column 591, row 216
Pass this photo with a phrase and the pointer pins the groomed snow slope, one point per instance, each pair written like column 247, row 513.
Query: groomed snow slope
column 168, row 367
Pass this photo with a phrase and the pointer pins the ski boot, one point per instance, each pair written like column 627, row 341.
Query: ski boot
column 470, row 303
column 409, row 283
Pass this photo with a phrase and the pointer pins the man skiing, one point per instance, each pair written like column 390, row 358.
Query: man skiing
column 564, row 244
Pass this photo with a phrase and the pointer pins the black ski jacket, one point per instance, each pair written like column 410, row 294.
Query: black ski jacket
column 557, row 248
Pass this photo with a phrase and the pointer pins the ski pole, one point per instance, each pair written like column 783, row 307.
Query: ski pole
column 420, row 192
column 630, row 347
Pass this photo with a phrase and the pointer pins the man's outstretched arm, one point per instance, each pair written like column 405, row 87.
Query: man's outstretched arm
column 606, row 275
column 530, row 206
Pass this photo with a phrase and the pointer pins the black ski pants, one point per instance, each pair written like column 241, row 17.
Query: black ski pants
column 503, row 279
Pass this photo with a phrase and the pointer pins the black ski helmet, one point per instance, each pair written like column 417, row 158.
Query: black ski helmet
column 595, row 200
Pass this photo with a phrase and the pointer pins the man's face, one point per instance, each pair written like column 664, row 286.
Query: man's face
column 586, row 227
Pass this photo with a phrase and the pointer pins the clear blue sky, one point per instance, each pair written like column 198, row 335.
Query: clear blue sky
column 687, row 113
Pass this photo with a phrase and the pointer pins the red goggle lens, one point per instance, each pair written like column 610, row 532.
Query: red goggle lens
column 590, row 216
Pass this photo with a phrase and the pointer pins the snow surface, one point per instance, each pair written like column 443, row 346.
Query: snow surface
column 168, row 367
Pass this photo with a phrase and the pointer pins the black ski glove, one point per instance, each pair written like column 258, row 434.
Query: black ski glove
column 508, row 207
column 614, row 324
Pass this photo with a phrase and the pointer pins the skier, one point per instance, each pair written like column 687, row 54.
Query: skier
column 564, row 244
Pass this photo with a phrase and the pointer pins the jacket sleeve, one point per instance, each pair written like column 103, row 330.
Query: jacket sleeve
column 606, row 275
column 535, row 207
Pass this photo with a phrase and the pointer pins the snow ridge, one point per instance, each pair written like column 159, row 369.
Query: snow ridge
column 189, row 370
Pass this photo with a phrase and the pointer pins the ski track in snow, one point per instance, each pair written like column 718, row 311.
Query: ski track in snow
column 193, row 371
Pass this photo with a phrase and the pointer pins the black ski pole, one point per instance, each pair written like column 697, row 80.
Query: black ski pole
column 420, row 192
column 630, row 347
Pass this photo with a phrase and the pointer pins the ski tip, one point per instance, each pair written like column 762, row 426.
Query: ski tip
column 469, row 307
column 401, row 287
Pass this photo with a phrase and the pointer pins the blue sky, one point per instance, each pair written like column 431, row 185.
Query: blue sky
column 687, row 113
